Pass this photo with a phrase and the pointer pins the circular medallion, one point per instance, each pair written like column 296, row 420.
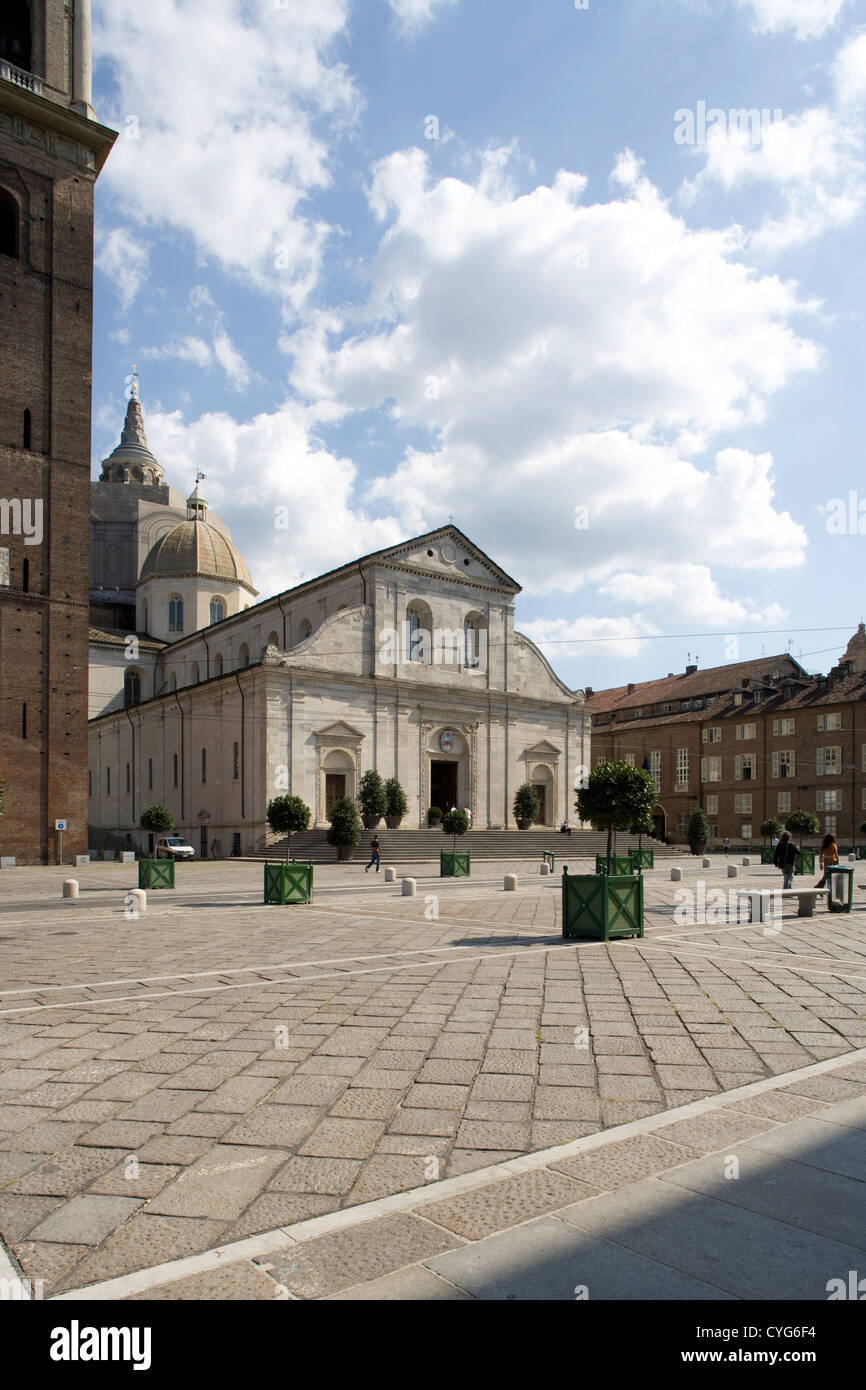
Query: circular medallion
column 449, row 552
column 446, row 741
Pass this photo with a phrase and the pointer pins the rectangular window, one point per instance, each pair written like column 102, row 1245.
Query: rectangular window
column 666, row 709
column 655, row 767
column 783, row 764
column 684, row 704
column 829, row 721
column 714, row 830
column 236, row 762
column 682, row 825
column 783, row 727
column 713, row 735
column 829, row 825
column 174, row 769
column 127, row 779
column 828, row 761
column 784, row 801
column 829, row 800
column 863, row 798
column 711, row 769
column 90, row 784
column 682, row 767
column 746, row 831
column 743, row 804
column 711, row 805
column 150, row 774
column 204, row 765
column 738, row 699
column 746, row 731
column 744, row 767
column 108, row 781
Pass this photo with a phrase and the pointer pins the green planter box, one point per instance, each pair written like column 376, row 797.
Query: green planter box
column 619, row 864
column 767, row 853
column 598, row 907
column 156, row 873
column 805, row 862
column 289, row 883
column 642, row 858
column 453, row 865
column 861, row 851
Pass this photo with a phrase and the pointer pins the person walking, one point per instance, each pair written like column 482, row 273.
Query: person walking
column 785, row 859
column 375, row 854
column 726, row 844
column 828, row 856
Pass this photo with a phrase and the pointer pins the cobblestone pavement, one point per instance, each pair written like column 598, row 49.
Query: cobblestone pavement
column 218, row 1068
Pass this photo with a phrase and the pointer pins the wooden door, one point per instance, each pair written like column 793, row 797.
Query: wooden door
column 335, row 790
column 541, row 793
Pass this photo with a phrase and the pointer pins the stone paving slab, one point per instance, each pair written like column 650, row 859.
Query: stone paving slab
column 408, row 1039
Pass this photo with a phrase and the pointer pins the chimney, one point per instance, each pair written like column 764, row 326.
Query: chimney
column 690, row 670
column 631, row 688
column 588, row 692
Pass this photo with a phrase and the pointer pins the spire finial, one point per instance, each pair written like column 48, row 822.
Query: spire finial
column 134, row 387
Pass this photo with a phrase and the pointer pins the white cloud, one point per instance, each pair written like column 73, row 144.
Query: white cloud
column 187, row 349
column 809, row 19
column 688, row 593
column 849, row 71
column 124, row 259
column 231, row 361
column 588, row 636
column 230, row 102
column 414, row 14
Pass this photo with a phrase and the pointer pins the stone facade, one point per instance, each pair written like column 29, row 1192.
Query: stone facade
column 406, row 661
column 51, row 151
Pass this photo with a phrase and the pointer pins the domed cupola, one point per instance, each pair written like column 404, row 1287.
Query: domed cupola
column 192, row 577
column 132, row 461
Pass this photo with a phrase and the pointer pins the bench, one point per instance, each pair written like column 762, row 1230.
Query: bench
column 760, row 898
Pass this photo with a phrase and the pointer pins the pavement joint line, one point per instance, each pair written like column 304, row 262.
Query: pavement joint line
column 303, row 1231
column 493, row 954
column 841, row 974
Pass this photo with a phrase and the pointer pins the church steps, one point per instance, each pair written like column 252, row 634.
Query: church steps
column 405, row 846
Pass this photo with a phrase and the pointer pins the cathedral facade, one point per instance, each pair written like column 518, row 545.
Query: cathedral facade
column 405, row 660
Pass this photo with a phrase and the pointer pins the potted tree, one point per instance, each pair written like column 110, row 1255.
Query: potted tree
column 642, row 858
column 395, row 803
column 156, row 873
column 452, row 864
column 372, row 799
column 609, row 903
column 345, row 828
column 526, row 806
column 434, row 816
column 288, row 883
column 770, row 830
column 802, row 823
column 697, row 832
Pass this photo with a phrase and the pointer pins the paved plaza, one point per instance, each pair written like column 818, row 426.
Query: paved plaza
column 217, row 1073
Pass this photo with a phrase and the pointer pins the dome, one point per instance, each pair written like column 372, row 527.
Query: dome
column 132, row 461
column 195, row 549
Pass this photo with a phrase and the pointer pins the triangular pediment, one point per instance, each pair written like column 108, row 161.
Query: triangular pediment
column 543, row 750
column 340, row 730
column 446, row 552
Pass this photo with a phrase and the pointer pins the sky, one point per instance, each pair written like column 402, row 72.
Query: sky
column 587, row 277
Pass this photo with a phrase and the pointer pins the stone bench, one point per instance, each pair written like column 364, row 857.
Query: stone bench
column 760, row 898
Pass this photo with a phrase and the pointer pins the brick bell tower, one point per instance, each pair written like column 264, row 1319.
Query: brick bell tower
column 51, row 152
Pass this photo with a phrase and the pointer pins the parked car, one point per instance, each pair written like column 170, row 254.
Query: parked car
column 173, row 847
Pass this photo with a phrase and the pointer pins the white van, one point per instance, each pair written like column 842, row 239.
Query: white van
column 173, row 847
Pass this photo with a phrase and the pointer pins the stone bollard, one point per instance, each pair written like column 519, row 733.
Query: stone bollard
column 852, row 859
column 139, row 901
column 544, row 869
column 390, row 875
column 409, row 887
column 511, row 881
column 676, row 875
column 70, row 888
column 746, row 863
column 706, row 864
column 733, row 871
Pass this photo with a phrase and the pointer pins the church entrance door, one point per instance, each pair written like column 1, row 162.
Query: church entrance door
column 443, row 785
column 541, row 793
column 335, row 790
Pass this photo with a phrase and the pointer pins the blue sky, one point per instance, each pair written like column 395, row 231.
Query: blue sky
column 392, row 260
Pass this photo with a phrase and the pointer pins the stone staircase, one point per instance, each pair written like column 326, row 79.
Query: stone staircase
column 411, row 846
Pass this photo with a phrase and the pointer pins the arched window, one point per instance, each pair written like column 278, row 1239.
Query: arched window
column 306, row 629
column 24, row 721
column 419, row 633
column 196, row 677
column 144, row 614
column 236, row 762
column 15, row 35
column 172, row 685
column 10, row 224
column 273, row 640
column 219, row 663
column 217, row 610
column 175, row 613
column 474, row 642
column 108, row 781
column 132, row 688
column 244, row 656
column 25, row 577
column 27, row 432
column 174, row 769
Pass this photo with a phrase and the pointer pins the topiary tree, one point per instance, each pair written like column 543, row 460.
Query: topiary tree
column 526, row 805
column 644, row 825
column 157, row 819
column 396, row 804
column 616, row 796
column 455, row 823
column 803, row 823
column 771, row 829
column 286, row 815
column 345, row 828
column 434, row 815
column 697, row 832
column 372, row 798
